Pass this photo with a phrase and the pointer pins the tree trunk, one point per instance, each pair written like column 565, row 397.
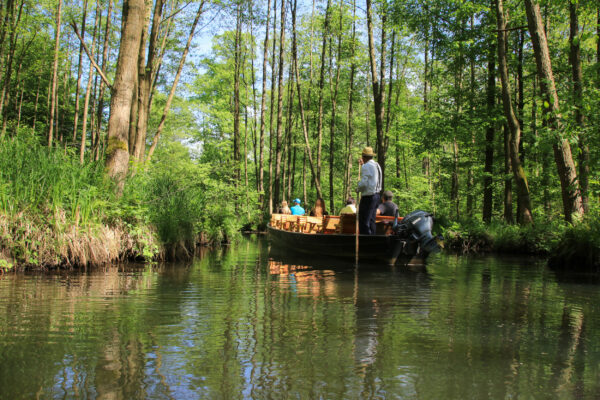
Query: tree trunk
column 333, row 108
column 263, row 103
column 514, row 129
column 79, row 71
column 35, row 107
column 117, row 152
column 520, row 94
column 88, row 90
column 508, row 208
column 562, row 149
column 321, row 85
column 488, row 193
column 145, row 79
column 350, row 127
column 280, row 89
column 12, row 45
column 426, row 61
column 378, row 87
column 53, row 85
column 236, row 95
column 100, row 110
column 271, row 106
column 287, row 151
column 577, row 76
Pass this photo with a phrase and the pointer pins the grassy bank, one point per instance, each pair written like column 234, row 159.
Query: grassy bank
column 55, row 212
column 569, row 247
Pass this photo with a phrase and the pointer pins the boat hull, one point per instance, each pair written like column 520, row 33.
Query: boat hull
column 388, row 249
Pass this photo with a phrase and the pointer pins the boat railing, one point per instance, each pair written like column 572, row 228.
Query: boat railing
column 329, row 224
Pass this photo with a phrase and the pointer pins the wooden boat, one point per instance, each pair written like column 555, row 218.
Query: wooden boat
column 334, row 236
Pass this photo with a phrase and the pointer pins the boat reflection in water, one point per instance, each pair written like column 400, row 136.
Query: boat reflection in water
column 375, row 290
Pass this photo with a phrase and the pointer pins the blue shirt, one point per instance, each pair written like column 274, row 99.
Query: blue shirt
column 297, row 210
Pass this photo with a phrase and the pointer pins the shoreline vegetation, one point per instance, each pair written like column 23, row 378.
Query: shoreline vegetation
column 57, row 213
column 567, row 247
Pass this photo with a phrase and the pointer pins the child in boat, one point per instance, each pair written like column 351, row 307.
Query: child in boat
column 284, row 209
column 297, row 210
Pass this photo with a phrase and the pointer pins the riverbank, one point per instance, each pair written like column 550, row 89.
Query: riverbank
column 568, row 247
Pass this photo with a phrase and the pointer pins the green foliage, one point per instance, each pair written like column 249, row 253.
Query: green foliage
column 473, row 236
column 579, row 247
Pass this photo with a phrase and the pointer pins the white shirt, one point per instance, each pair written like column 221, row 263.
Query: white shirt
column 370, row 182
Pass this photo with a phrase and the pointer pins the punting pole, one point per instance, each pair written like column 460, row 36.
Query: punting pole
column 356, row 233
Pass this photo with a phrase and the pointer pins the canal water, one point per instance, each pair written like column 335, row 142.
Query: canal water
column 243, row 323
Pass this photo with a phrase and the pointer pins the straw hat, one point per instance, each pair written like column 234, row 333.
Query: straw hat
column 368, row 152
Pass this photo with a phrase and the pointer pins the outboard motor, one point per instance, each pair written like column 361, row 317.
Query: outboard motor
column 418, row 224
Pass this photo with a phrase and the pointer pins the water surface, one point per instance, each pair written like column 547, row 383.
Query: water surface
column 237, row 324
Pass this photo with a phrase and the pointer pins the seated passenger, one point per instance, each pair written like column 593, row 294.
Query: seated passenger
column 319, row 209
column 387, row 207
column 350, row 206
column 296, row 209
column 284, row 209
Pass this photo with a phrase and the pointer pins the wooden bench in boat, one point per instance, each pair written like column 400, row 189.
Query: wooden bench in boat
column 330, row 224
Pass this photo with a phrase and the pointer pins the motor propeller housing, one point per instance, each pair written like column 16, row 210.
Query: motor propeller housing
column 418, row 225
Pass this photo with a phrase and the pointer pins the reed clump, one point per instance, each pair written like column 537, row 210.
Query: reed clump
column 56, row 212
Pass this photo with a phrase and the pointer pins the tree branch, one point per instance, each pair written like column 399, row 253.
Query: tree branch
column 91, row 56
column 511, row 29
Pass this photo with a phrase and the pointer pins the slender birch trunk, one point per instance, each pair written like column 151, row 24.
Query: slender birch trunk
column 88, row 89
column 53, row 85
column 79, row 72
column 263, row 103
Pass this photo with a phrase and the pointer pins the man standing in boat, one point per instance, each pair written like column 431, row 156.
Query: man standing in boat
column 370, row 187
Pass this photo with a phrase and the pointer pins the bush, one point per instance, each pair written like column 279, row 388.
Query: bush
column 579, row 247
column 473, row 236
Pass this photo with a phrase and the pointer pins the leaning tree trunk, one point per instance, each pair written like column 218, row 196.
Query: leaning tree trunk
column 117, row 153
column 514, row 128
column 562, row 149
